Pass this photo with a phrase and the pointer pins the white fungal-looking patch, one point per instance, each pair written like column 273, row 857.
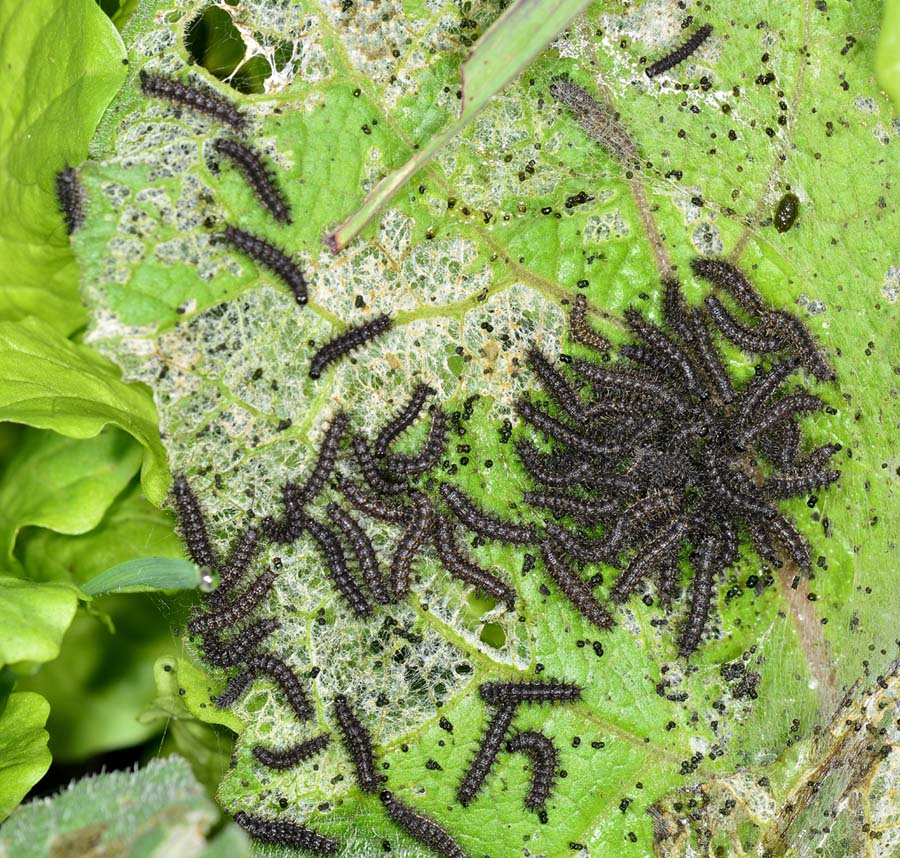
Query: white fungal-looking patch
column 890, row 286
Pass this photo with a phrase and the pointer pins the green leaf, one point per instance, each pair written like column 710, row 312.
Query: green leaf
column 887, row 58
column 206, row 746
column 34, row 618
column 145, row 575
column 24, row 757
column 49, row 383
column 231, row 842
column 64, row 484
column 62, row 65
column 477, row 260
column 131, row 527
column 103, row 675
column 505, row 49
column 159, row 811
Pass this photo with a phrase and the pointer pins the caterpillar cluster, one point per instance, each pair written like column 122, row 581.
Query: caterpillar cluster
column 506, row 697
column 656, row 451
column 229, row 609
column 258, row 175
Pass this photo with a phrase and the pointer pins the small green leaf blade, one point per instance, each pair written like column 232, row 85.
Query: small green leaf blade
column 64, row 484
column 145, row 575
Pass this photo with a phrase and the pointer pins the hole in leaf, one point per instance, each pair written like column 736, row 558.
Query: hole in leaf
column 493, row 635
column 212, row 41
column 252, row 75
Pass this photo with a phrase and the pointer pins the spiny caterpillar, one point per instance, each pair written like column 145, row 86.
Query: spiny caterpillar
column 289, row 834
column 507, row 697
column 202, row 100
column 353, row 338
column 575, row 588
column 486, row 756
column 421, row 827
column 681, row 53
column 358, row 743
column 405, row 418
column 662, row 452
column 192, row 525
column 411, row 542
column 364, row 551
column 413, row 465
column 336, row 564
column 70, row 197
column 269, row 256
column 581, row 331
column 287, row 758
column 481, row 522
column 544, row 760
column 258, row 175
column 464, row 569
column 236, row 649
column 219, row 616
column 271, row 667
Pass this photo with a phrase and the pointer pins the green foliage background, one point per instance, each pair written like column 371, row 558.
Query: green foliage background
column 84, row 469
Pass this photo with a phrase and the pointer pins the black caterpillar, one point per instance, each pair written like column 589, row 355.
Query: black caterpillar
column 412, row 540
column 258, row 176
column 366, row 558
column 486, row 755
column 529, row 691
column 681, row 53
column 358, row 743
column 202, row 100
column 70, row 197
column 575, row 588
column 404, row 419
column 267, row 665
column 228, row 653
column 336, row 564
column 287, row 758
column 481, row 522
column 373, row 506
column 463, row 568
column 421, row 827
column 354, row 337
column 581, row 331
column 222, row 615
column 400, row 465
column 544, row 760
column 289, row 834
column 269, row 256
column 192, row 525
